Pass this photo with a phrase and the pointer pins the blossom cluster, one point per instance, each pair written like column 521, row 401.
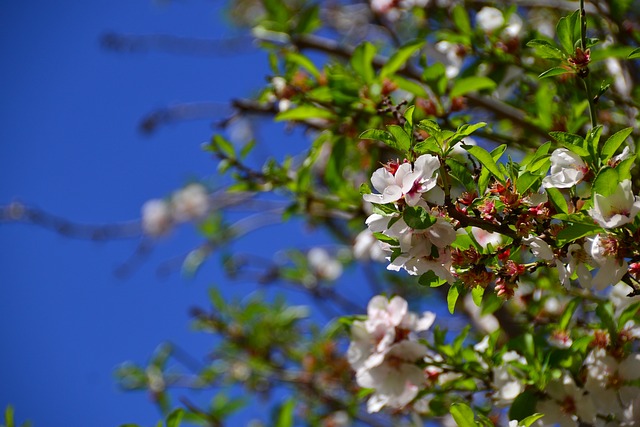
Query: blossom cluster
column 190, row 203
column 385, row 352
column 420, row 250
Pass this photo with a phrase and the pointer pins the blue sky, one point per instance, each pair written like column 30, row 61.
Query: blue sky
column 69, row 144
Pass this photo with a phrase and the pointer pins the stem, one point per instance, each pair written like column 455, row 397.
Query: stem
column 585, row 75
column 583, row 26
column 592, row 104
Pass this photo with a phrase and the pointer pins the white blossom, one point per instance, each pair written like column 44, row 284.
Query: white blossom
column 156, row 217
column 396, row 379
column 453, row 58
column 567, row 169
column 507, row 386
column 190, row 203
column 485, row 238
column 367, row 247
column 539, row 248
column 610, row 268
column 384, row 352
column 618, row 209
column 489, row 19
column 323, row 265
column 567, row 404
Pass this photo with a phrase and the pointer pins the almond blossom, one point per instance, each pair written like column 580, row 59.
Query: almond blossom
column 611, row 269
column 396, row 378
column 190, row 203
column 618, row 209
column 567, row 169
column 395, row 182
column 384, row 352
column 156, row 217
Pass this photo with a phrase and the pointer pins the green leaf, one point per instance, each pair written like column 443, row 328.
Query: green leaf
column 304, row 112
column 606, row 182
column 386, row 239
column 431, row 279
column 362, row 61
column 523, row 406
column 400, row 57
column 285, row 415
column 175, row 417
column 429, row 145
column 570, row 308
column 572, row 142
column 379, row 135
column 403, row 141
column 486, row 159
column 527, row 422
column 417, row 217
column 408, row 115
column 225, row 147
column 575, row 232
column 410, row 86
column 557, row 200
column 476, row 295
column 555, row 71
column 461, row 19
column 628, row 313
column 566, row 32
column 614, row 142
column 452, row 298
column 8, row 416
column 634, row 54
column 567, row 138
column 471, row 84
column 461, row 173
column 462, row 415
column 303, row 62
column 526, row 181
column 545, row 50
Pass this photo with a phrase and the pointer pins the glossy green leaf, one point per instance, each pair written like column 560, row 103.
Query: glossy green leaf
column 606, row 182
column 526, row 181
column 462, row 415
column 471, row 84
column 430, row 279
column 378, row 135
column 403, row 141
column 523, row 406
column 417, row 217
column 566, row 32
column 484, row 157
column 555, row 71
column 557, row 200
column 452, row 298
column 635, row 54
column 476, row 294
column 527, row 422
column 545, row 50
column 576, row 231
column 614, row 142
